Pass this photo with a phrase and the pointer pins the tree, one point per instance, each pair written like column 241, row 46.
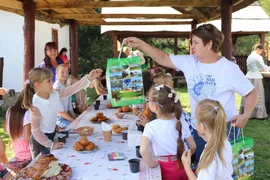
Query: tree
column 94, row 49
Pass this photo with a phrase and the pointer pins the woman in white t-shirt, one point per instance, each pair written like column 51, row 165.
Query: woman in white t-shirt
column 208, row 76
column 215, row 162
column 166, row 133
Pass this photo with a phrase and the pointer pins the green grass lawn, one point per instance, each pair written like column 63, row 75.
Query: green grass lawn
column 258, row 130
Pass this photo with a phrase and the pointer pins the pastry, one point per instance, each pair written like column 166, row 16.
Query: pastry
column 99, row 115
column 93, row 119
column 115, row 127
column 125, row 128
column 119, row 109
column 125, row 109
column 84, row 141
column 45, row 166
column 102, row 119
column 119, row 130
column 90, row 146
column 78, row 147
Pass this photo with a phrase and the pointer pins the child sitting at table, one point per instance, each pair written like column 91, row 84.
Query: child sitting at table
column 215, row 161
column 67, row 116
column 166, row 133
column 78, row 99
column 44, row 103
column 5, row 174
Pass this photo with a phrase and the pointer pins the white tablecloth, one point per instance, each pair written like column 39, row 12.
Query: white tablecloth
column 95, row 165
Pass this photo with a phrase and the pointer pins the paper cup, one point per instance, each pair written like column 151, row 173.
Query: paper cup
column 107, row 136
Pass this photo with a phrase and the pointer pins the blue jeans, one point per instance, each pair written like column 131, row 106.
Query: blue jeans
column 62, row 122
column 200, row 143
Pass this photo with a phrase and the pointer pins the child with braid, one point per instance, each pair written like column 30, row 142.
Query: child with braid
column 166, row 133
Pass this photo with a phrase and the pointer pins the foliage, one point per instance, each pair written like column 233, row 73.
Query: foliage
column 94, row 48
column 265, row 5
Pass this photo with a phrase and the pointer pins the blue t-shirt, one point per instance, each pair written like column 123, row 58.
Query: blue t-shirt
column 59, row 61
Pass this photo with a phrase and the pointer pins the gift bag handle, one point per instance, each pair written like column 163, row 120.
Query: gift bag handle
column 121, row 50
column 234, row 138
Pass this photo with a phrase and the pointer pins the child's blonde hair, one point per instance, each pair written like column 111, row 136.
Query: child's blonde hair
column 167, row 80
column 61, row 66
column 157, row 79
column 35, row 75
column 170, row 105
column 212, row 114
column 71, row 80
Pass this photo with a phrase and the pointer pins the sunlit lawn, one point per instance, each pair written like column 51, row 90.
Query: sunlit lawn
column 258, row 130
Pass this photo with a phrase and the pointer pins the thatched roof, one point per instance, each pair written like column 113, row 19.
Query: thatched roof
column 84, row 11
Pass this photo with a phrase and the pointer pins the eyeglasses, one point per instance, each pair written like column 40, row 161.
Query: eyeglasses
column 148, row 100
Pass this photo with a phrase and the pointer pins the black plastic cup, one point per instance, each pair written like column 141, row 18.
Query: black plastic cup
column 98, row 102
column 104, row 96
column 45, row 151
column 134, row 165
column 96, row 106
column 138, row 154
column 62, row 139
column 124, row 135
column 139, row 127
column 65, row 133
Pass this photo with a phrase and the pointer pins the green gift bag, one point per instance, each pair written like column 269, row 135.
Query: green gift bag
column 243, row 158
column 124, row 81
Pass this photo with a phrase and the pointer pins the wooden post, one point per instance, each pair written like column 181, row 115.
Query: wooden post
column 262, row 41
column 193, row 26
column 226, row 24
column 115, row 51
column 74, row 48
column 1, row 73
column 29, row 37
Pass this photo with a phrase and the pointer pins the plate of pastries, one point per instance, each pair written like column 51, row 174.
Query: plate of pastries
column 99, row 118
column 46, row 167
column 117, row 129
column 84, row 145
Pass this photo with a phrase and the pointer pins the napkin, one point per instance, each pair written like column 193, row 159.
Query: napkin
column 106, row 127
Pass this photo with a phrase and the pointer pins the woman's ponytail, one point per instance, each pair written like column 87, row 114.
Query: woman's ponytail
column 180, row 144
column 28, row 95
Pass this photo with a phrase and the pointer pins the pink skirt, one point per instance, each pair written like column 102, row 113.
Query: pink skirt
column 22, row 149
column 169, row 171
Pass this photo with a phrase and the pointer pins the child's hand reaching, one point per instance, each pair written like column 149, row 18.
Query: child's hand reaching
column 94, row 74
column 186, row 158
column 143, row 119
column 57, row 145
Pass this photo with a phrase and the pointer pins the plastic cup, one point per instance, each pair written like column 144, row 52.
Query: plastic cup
column 65, row 133
column 96, row 106
column 124, row 135
column 107, row 136
column 105, row 97
column 138, row 154
column 45, row 151
column 134, row 165
column 98, row 102
column 62, row 138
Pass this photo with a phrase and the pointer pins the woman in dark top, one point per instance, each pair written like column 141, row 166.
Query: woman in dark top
column 51, row 60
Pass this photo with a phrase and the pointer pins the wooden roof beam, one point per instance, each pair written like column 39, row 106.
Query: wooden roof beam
column 130, row 16
column 14, row 4
column 94, row 23
column 153, row 3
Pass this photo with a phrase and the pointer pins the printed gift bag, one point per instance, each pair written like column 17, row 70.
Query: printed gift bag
column 243, row 158
column 124, row 81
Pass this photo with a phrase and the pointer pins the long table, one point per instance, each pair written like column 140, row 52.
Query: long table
column 95, row 165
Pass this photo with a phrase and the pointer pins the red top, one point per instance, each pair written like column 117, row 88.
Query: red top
column 65, row 60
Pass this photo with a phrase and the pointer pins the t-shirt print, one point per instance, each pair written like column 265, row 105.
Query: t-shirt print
column 201, row 86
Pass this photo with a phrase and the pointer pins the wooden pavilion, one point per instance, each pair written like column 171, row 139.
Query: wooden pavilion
column 82, row 12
